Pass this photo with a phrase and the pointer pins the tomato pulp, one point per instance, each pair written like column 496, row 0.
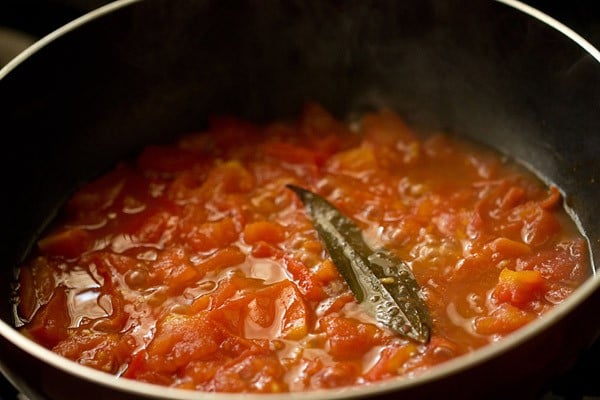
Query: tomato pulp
column 193, row 266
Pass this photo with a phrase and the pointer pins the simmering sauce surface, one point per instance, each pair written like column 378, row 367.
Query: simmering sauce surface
column 193, row 266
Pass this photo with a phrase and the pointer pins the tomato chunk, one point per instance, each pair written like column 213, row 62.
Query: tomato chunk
column 69, row 243
column 277, row 311
column 348, row 337
column 519, row 287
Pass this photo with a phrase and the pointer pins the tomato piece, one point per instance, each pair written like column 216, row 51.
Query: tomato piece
column 337, row 374
column 308, row 285
column 390, row 360
column 234, row 285
column 540, row 225
column 294, row 154
column 154, row 228
column 251, row 373
column 519, row 287
column 277, row 311
column 316, row 122
column 263, row 231
column 564, row 262
column 513, row 197
column 355, row 160
column 136, row 365
column 348, row 337
column 101, row 193
column 213, row 234
column 51, row 322
column 507, row 248
column 262, row 249
column 552, row 200
column 386, row 128
column 174, row 269
column 36, row 283
column 179, row 339
column 229, row 177
column 504, row 319
column 91, row 349
column 69, row 243
column 327, row 272
column 227, row 257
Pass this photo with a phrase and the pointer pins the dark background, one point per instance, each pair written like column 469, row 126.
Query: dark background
column 36, row 18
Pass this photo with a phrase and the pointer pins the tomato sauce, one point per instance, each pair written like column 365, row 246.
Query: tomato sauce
column 193, row 266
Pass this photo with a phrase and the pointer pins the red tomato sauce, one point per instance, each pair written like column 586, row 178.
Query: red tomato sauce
column 193, row 266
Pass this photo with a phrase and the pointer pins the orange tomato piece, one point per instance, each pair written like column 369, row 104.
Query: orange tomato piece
column 213, row 234
column 327, row 272
column 507, row 248
column 264, row 231
column 386, row 128
column 36, row 283
column 294, row 154
column 226, row 257
column 519, row 287
column 277, row 311
column 504, row 319
column 174, row 269
column 552, row 200
column 336, row 374
column 180, row 339
column 348, row 337
column 257, row 373
column 91, row 349
column 69, row 243
column 51, row 322
column 540, row 225
column 390, row 360
column 306, row 281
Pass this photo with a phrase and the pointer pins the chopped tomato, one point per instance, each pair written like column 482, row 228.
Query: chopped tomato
column 194, row 266
column 227, row 257
column 305, row 279
column 51, row 323
column 519, row 287
column 264, row 231
column 505, row 319
column 348, row 338
column 212, row 234
column 69, row 243
column 275, row 311
column 180, row 339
